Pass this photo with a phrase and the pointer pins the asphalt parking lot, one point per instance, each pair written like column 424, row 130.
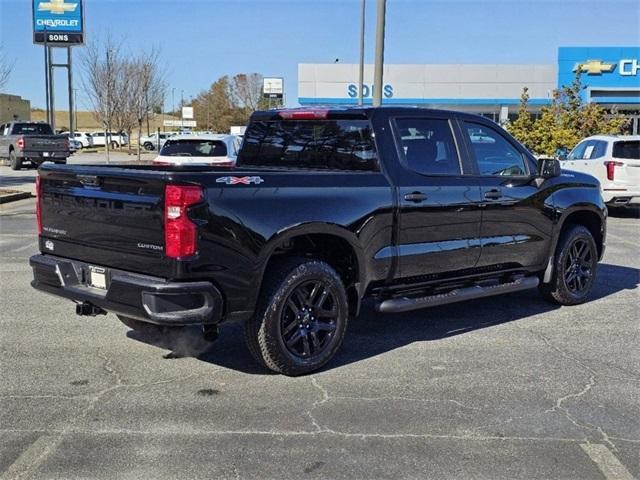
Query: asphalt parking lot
column 502, row 388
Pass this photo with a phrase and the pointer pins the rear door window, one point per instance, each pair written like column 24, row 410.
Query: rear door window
column 599, row 149
column 428, row 146
column 316, row 144
column 627, row 149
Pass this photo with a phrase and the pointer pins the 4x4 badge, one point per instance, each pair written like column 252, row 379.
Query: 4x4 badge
column 240, row 180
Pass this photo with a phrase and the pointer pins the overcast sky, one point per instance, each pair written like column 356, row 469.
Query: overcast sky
column 203, row 40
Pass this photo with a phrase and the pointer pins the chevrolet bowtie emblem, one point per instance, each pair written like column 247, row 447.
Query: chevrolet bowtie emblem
column 57, row 6
column 594, row 67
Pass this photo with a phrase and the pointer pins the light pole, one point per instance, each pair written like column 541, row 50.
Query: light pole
column 75, row 106
column 173, row 101
column 377, row 76
column 361, row 75
column 181, row 105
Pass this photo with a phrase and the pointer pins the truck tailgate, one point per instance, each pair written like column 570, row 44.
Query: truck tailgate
column 105, row 215
column 44, row 143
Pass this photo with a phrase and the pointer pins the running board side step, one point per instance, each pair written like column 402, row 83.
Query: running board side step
column 405, row 304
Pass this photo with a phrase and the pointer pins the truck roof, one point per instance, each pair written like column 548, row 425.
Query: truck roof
column 332, row 111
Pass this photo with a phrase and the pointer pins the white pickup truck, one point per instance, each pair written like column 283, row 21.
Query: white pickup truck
column 115, row 139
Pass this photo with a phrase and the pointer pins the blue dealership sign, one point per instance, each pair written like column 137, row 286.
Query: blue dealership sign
column 611, row 75
column 58, row 21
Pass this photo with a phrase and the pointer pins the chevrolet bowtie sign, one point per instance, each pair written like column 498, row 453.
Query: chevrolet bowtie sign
column 594, row 67
column 58, row 22
column 626, row 67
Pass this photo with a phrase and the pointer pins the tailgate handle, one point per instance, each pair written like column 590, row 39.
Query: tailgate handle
column 89, row 180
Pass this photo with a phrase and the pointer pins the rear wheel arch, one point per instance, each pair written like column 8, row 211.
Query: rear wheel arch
column 331, row 247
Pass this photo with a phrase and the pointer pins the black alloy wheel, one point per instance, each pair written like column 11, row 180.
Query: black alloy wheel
column 308, row 320
column 301, row 316
column 578, row 273
column 574, row 267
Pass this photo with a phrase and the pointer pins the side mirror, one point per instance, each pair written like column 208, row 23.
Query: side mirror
column 549, row 168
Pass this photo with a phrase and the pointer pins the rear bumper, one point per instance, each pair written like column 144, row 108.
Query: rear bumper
column 40, row 156
column 624, row 201
column 621, row 197
column 145, row 298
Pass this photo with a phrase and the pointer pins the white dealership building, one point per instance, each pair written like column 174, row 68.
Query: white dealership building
column 610, row 75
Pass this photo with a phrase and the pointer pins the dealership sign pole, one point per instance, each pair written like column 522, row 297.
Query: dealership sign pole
column 363, row 9
column 58, row 24
column 377, row 76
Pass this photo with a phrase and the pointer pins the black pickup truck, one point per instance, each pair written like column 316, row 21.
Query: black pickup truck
column 408, row 207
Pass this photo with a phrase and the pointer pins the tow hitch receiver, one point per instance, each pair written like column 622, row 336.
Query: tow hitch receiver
column 88, row 309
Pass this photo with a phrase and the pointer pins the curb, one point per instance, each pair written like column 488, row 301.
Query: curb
column 12, row 196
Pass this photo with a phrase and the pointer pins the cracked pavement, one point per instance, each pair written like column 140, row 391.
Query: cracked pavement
column 506, row 387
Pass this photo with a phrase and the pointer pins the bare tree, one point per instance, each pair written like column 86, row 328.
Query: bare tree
column 104, row 81
column 124, row 119
column 6, row 66
column 246, row 91
column 147, row 87
column 229, row 101
column 123, row 87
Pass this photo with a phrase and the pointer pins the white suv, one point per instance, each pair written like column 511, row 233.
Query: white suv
column 84, row 139
column 615, row 162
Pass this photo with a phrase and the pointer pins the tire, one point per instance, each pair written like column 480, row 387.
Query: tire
column 574, row 268
column 114, row 145
column 148, row 146
column 300, row 319
column 14, row 161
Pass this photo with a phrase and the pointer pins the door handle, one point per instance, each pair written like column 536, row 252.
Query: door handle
column 493, row 195
column 415, row 197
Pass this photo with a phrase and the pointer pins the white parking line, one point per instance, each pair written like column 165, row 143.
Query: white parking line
column 606, row 461
column 32, row 457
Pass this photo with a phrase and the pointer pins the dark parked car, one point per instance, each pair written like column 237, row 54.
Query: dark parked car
column 408, row 207
column 32, row 141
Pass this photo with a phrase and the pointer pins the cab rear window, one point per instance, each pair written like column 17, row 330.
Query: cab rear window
column 627, row 149
column 194, row 148
column 315, row 144
column 31, row 129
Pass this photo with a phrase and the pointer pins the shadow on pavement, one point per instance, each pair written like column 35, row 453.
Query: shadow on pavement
column 372, row 333
column 8, row 182
column 629, row 212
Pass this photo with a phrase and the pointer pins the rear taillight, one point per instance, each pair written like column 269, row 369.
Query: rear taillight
column 38, row 206
column 180, row 233
column 611, row 169
column 20, row 143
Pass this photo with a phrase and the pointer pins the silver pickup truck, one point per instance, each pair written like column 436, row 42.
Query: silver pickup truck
column 32, row 141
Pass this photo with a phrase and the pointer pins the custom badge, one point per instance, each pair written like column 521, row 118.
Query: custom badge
column 49, row 245
column 240, row 180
